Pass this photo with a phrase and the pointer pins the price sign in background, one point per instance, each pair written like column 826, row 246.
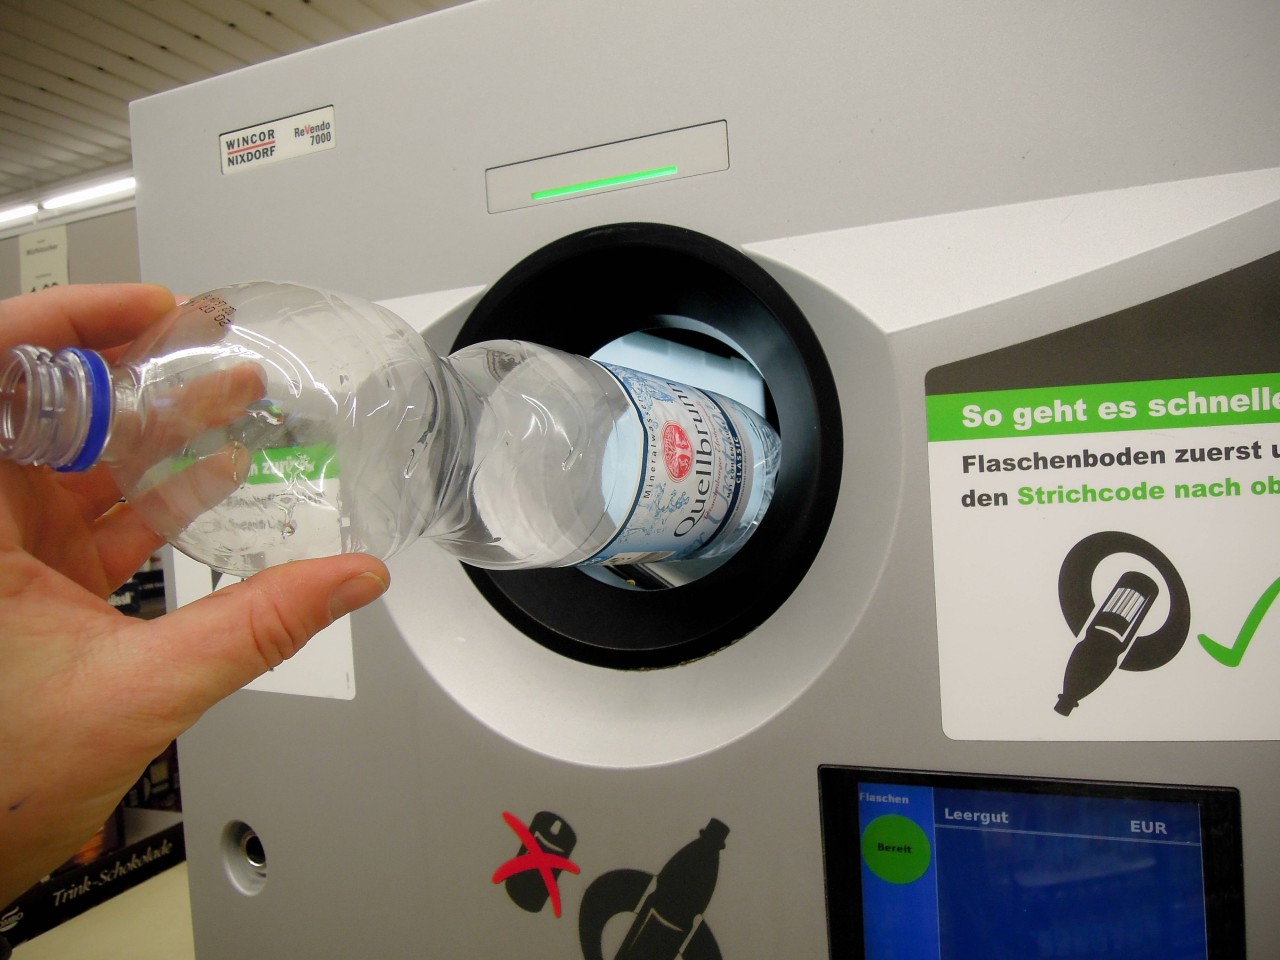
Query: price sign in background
column 43, row 256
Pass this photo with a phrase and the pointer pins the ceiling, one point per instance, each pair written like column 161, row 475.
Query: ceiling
column 68, row 68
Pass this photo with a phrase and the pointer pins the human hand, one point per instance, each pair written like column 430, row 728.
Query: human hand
column 88, row 696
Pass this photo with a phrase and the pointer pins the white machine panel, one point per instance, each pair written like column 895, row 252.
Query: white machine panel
column 947, row 236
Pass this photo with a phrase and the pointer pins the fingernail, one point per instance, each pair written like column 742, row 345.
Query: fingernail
column 356, row 593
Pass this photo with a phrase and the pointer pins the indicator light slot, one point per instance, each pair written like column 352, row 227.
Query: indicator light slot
column 656, row 158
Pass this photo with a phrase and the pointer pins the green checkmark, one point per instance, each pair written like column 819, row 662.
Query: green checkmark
column 1231, row 656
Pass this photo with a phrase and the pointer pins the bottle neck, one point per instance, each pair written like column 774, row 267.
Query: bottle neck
column 55, row 408
column 444, row 455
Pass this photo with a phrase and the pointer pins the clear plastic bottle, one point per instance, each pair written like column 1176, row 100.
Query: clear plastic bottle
column 268, row 422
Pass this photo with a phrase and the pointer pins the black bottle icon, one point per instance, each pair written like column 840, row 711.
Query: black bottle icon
column 1106, row 637
column 681, row 892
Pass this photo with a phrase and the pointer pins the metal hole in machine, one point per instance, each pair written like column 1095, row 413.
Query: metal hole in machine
column 244, row 857
column 687, row 307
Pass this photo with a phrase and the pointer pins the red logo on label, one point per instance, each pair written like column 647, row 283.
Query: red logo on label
column 677, row 451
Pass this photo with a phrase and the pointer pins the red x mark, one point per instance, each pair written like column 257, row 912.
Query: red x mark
column 534, row 858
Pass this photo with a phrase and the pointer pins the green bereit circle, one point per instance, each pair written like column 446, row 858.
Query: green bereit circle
column 896, row 849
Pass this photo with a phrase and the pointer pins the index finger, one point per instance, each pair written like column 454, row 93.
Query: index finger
column 94, row 315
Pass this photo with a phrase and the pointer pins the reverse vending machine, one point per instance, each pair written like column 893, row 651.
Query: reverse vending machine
column 996, row 675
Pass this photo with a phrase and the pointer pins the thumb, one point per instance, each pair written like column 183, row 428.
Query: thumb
column 210, row 648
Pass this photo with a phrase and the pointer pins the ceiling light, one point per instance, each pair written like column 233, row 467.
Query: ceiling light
column 24, row 212
column 102, row 191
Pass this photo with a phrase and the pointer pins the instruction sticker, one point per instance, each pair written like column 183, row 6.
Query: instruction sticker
column 275, row 140
column 1105, row 549
column 324, row 668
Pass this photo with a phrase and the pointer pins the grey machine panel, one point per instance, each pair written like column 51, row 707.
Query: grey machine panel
column 928, row 183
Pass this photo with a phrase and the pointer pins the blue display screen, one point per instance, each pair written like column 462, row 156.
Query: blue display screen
column 954, row 869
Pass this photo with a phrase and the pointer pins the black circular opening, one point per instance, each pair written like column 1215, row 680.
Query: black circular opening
column 593, row 287
column 254, row 852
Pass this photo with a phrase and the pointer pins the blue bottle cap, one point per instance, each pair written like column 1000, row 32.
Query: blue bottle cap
column 99, row 382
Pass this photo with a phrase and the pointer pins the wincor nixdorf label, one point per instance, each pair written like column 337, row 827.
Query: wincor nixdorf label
column 274, row 140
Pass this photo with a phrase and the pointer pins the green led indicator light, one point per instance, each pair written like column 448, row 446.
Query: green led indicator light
column 573, row 188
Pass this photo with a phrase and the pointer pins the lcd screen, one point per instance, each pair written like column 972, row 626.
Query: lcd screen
column 950, row 866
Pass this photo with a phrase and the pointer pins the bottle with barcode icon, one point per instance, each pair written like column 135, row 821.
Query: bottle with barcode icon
column 268, row 422
column 1106, row 638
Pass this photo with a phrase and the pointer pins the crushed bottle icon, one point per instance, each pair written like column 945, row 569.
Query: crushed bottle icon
column 668, row 908
column 532, row 876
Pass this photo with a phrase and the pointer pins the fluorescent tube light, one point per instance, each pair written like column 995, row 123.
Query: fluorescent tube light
column 102, row 191
column 24, row 212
